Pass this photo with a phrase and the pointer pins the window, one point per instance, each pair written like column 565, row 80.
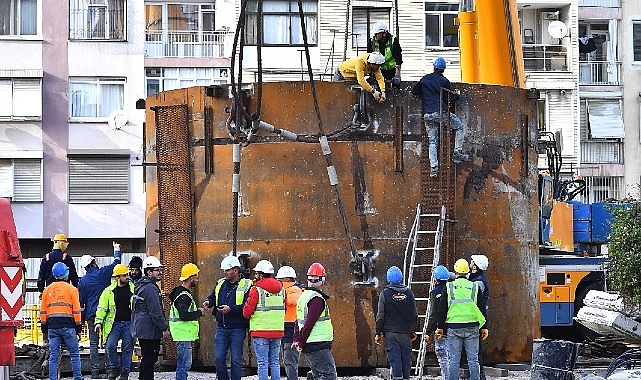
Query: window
column 281, row 22
column 440, row 30
column 160, row 79
column 363, row 20
column 636, row 40
column 18, row 17
column 600, row 189
column 98, row 178
column 21, row 179
column 95, row 97
column 97, row 20
column 20, row 98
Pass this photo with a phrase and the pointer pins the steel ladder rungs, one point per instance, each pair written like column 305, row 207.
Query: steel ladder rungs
column 426, row 232
column 425, row 248
column 432, row 215
column 422, row 265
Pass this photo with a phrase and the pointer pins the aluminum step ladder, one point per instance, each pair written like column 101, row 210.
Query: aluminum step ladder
column 423, row 251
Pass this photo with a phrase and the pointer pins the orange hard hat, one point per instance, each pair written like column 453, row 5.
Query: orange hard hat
column 316, row 269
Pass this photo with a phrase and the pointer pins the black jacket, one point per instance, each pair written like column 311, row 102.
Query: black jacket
column 396, row 310
column 182, row 304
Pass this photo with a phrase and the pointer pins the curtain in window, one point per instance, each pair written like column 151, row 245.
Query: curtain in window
column 28, row 15
column 83, row 99
column 111, row 98
column 5, row 17
column 117, row 18
column 276, row 29
column 78, row 19
column 311, row 27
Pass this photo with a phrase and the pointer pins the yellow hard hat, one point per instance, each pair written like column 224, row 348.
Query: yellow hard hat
column 59, row 237
column 461, row 266
column 120, row 269
column 188, row 271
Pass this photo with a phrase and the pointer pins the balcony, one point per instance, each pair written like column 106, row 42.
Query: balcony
column 601, row 152
column 97, row 23
column 600, row 72
column 545, row 57
column 160, row 43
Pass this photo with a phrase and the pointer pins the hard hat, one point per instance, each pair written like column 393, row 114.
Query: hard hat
column 151, row 262
column 394, row 275
column 441, row 273
column 461, row 266
column 286, row 272
column 264, row 266
column 60, row 270
column 59, row 237
column 85, row 260
column 187, row 271
column 376, row 58
column 229, row 262
column 120, row 269
column 316, row 269
column 379, row 27
column 439, row 63
column 481, row 261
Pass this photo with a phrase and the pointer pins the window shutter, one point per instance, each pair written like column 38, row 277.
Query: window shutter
column 27, row 180
column 6, row 188
column 98, row 178
column 27, row 97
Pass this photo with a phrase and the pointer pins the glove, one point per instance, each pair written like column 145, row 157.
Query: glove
column 396, row 81
column 378, row 339
column 116, row 247
column 97, row 328
column 376, row 94
column 428, row 339
column 412, row 336
column 484, row 334
column 438, row 333
column 381, row 98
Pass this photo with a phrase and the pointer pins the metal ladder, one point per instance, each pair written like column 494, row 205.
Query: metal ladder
column 424, row 255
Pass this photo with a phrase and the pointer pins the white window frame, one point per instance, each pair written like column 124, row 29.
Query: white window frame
column 636, row 41
column 83, row 25
column 440, row 9
column 312, row 33
column 15, row 19
column 170, row 78
column 20, row 99
column 21, row 179
column 99, row 178
column 360, row 37
column 79, row 98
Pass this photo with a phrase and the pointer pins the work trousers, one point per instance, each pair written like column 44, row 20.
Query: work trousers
column 120, row 331
column 229, row 340
column 183, row 361
column 149, row 349
column 457, row 339
column 399, row 353
column 56, row 338
column 433, row 126
column 267, row 352
column 322, row 364
column 290, row 360
column 94, row 358
column 440, row 348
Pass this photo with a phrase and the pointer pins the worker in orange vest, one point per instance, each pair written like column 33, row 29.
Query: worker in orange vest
column 293, row 290
column 60, row 320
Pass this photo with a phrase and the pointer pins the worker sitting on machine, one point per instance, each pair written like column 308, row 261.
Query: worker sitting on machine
column 356, row 69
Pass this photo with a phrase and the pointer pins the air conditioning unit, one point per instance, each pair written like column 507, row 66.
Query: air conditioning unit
column 549, row 16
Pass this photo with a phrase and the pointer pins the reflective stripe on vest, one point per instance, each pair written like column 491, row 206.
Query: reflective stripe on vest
column 461, row 300
column 183, row 331
column 241, row 288
column 270, row 311
column 106, row 311
column 323, row 331
column 390, row 62
column 57, row 302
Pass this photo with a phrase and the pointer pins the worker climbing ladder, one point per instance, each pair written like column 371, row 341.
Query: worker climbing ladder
column 423, row 252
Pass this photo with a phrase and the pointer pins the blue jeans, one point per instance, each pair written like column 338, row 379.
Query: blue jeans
column 267, row 352
column 322, row 364
column 290, row 360
column 120, row 331
column 399, row 354
column 56, row 337
column 440, row 348
column 467, row 337
column 432, row 123
column 94, row 358
column 183, row 362
column 229, row 340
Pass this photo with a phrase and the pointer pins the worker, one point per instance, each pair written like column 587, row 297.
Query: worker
column 478, row 266
column 314, row 333
column 357, row 68
column 60, row 320
column 462, row 312
column 57, row 254
column 228, row 296
column 135, row 269
column 113, row 322
column 148, row 321
column 183, row 318
column 396, row 323
column 293, row 290
column 388, row 45
column 265, row 309
column 441, row 275
column 90, row 287
column 429, row 89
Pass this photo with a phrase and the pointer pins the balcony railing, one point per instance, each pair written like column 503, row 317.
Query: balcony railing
column 97, row 23
column 597, row 152
column 162, row 43
column 544, row 57
column 600, row 72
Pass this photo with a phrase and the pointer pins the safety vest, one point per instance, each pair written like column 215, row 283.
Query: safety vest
column 390, row 62
column 106, row 311
column 270, row 311
column 183, row 331
column 242, row 288
column 322, row 330
column 461, row 302
column 60, row 300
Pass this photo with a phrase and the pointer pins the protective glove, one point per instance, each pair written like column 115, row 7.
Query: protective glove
column 428, row 339
column 484, row 334
column 378, row 339
column 438, row 333
column 98, row 328
column 116, row 247
column 412, row 336
column 381, row 98
column 396, row 81
column 376, row 94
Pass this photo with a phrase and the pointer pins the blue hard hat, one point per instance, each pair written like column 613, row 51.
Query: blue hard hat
column 441, row 273
column 439, row 63
column 394, row 275
column 60, row 270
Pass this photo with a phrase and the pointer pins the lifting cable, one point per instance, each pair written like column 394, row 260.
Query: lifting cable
column 346, row 31
column 331, row 170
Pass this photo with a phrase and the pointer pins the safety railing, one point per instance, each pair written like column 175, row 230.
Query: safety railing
column 163, row 43
column 97, row 23
column 545, row 57
column 600, row 72
column 31, row 332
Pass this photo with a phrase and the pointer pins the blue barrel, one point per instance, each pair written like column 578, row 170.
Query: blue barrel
column 553, row 359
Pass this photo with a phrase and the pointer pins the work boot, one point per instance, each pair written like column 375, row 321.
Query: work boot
column 460, row 157
column 434, row 171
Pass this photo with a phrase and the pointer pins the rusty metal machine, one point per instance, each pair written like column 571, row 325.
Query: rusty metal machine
column 356, row 220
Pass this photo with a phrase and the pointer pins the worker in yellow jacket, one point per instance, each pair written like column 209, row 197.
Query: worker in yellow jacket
column 357, row 68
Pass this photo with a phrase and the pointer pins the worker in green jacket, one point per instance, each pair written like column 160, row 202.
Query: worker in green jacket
column 113, row 322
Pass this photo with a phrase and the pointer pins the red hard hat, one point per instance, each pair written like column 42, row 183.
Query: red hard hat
column 316, row 269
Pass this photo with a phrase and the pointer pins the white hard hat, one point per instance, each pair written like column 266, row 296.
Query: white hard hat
column 85, row 260
column 379, row 27
column 264, row 266
column 229, row 262
column 376, row 58
column 481, row 261
column 286, row 272
column 151, row 262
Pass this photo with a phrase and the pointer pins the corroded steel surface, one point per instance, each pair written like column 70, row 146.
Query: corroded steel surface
column 288, row 212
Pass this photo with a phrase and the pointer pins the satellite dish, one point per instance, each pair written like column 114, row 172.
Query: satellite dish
column 117, row 119
column 557, row 29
